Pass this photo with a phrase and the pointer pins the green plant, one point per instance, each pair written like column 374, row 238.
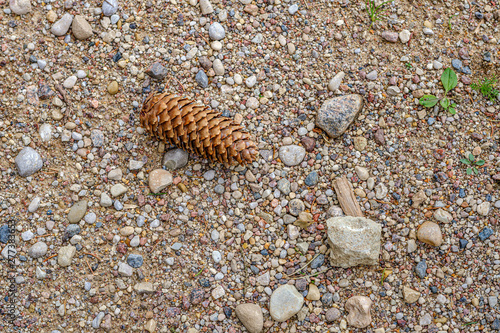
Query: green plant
column 408, row 65
column 449, row 20
column 487, row 88
column 449, row 80
column 376, row 13
column 472, row 162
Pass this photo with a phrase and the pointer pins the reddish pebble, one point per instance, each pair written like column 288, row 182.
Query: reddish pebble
column 143, row 241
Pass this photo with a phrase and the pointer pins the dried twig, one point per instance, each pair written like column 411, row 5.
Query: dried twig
column 304, row 265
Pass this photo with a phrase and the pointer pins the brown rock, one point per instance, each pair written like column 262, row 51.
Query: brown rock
column 410, row 295
column 308, row 143
column 418, row 199
column 159, row 179
column 359, row 311
column 81, row 28
column 251, row 317
column 430, row 233
column 379, row 137
column 418, row 93
column 251, row 9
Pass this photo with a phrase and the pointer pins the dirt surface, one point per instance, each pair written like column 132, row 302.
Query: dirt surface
column 181, row 260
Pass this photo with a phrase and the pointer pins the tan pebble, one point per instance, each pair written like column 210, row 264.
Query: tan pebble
column 428, row 24
column 57, row 115
column 51, row 16
column 476, row 151
column 159, row 179
column 430, row 233
column 410, row 295
column 359, row 311
column 313, row 294
column 127, row 231
column 113, row 88
column 150, row 326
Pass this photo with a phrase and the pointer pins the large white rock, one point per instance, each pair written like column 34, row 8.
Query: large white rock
column 285, row 302
column 353, row 240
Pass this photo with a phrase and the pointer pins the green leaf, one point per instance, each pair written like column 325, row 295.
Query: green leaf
column 480, row 162
column 445, row 103
column 471, row 157
column 429, row 101
column 453, row 105
column 475, row 170
column 465, row 161
column 449, row 79
column 452, row 110
column 469, row 171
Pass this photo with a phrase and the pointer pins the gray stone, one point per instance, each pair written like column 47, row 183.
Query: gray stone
column 81, row 28
column 443, row 216
column 97, row 138
column 34, row 204
column 206, row 7
column 292, row 155
column 115, row 174
column 296, row 206
column 65, row 255
column 157, row 71
column 77, row 211
column 117, row 190
column 202, row 79
column 353, row 241
column 70, row 82
column 135, row 260
column 62, row 25
column 109, row 7
column 175, row 159
column 134, row 165
column 293, row 9
column 332, row 314
column 20, row 7
column 336, row 114
column 97, row 320
column 216, row 31
column 38, row 250
column 28, row 161
column 209, row 175
column 251, row 317
column 105, row 200
column 285, row 302
column 372, row 76
column 144, row 288
column 125, row 270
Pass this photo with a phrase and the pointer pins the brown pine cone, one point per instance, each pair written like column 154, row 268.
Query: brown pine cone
column 198, row 129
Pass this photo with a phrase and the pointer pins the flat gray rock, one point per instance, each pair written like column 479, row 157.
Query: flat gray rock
column 62, row 25
column 285, row 302
column 175, row 159
column 353, row 240
column 336, row 114
column 28, row 161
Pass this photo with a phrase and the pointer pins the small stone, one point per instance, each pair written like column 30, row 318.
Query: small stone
column 209, row 175
column 81, row 28
column 96, row 323
column 202, row 79
column 336, row 114
column 430, row 233
column 218, row 292
column 77, row 211
column 38, row 250
column 109, row 7
column 421, row 269
column 410, row 295
column 216, row 31
column 418, row 199
column 28, row 161
column 115, row 174
column 335, row 82
column 285, row 302
column 70, row 82
column 362, row 172
column 125, row 270
column 135, row 260
column 134, row 165
column 372, row 76
column 117, row 190
column 360, row 143
column 390, row 36
column 97, row 138
column 159, row 179
column 296, row 207
column 251, row 317
column 393, row 91
column 206, row 7
column 144, row 287
column 65, row 255
column 61, row 27
column 40, row 274
column 175, row 159
column 292, row 155
column 105, row 200
column 313, row 293
column 485, row 234
column 157, row 71
column 381, row 191
column 45, row 132
column 443, row 216
column 218, row 67
column 359, row 311
column 251, row 81
column 20, row 7
column 483, row 208
column 293, row 9
column 404, row 36
column 379, row 137
column 425, row 320
column 113, row 88
column 312, row 179
column 34, row 204
column 353, row 241
column 150, row 326
column 332, row 314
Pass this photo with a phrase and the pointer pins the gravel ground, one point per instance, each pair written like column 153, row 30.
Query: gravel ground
column 104, row 243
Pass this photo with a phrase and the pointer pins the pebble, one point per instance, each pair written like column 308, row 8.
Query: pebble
column 61, row 27
column 175, row 159
column 38, row 250
column 216, row 31
column 115, row 174
column 202, row 79
column 421, row 269
column 81, row 28
column 293, row 9
column 335, row 82
column 157, row 71
column 206, row 7
column 442, row 216
column 112, row 88
column 353, row 241
column 70, row 82
column 77, row 211
column 390, row 36
column 381, row 191
column 209, row 175
column 135, row 260
column 97, row 138
column 251, row 81
column 362, row 172
column 159, row 179
column 109, row 7
column 332, row 314
column 285, row 302
column 34, row 204
column 251, row 317
column 90, row 218
column 430, row 233
column 404, row 36
column 292, row 155
column 218, row 67
column 372, row 76
column 216, row 256
column 28, row 161
column 336, row 114
column 117, row 190
column 359, row 311
column 313, row 293
column 410, row 295
column 65, row 255
column 20, row 7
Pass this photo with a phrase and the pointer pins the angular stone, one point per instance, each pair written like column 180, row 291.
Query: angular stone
column 313, row 293
column 28, row 161
column 292, row 155
column 418, row 199
column 430, row 233
column 159, row 179
column 353, row 241
column 251, row 317
column 410, row 295
column 61, row 27
column 144, row 288
column 81, row 28
column 65, row 255
column 443, row 216
column 285, row 302
column 157, row 71
column 336, row 114
column 359, row 311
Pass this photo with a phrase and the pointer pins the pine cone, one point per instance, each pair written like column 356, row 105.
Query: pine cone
column 197, row 129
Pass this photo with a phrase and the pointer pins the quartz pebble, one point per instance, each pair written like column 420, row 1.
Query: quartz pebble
column 61, row 27
column 28, row 161
column 159, row 179
column 81, row 28
column 285, row 303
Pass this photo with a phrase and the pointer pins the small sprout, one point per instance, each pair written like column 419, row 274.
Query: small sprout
column 487, row 88
column 472, row 163
column 376, row 13
column 449, row 80
column 408, row 65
